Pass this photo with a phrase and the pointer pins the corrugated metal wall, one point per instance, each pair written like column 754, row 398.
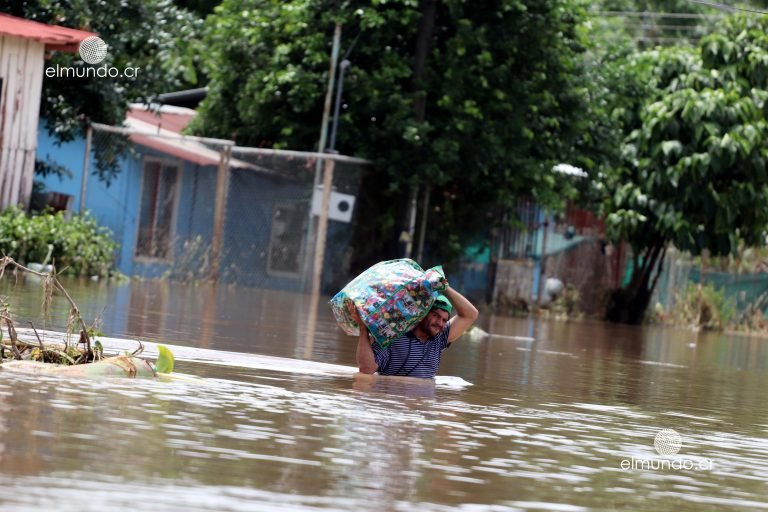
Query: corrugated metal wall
column 21, row 71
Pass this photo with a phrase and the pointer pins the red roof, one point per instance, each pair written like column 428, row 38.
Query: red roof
column 174, row 120
column 200, row 156
column 158, row 128
column 170, row 121
column 52, row 36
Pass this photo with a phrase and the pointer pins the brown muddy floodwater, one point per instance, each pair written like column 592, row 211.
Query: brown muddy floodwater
column 551, row 416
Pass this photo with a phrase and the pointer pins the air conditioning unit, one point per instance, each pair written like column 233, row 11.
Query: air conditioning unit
column 340, row 208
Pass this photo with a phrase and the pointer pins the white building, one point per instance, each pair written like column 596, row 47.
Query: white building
column 23, row 47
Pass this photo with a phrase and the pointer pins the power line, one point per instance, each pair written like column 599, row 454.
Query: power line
column 655, row 14
column 729, row 8
column 664, row 39
column 663, row 26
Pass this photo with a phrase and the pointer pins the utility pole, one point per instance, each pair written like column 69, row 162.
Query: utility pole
column 86, row 161
column 327, row 178
column 322, row 147
column 337, row 105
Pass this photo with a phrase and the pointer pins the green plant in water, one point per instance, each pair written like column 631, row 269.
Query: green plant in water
column 165, row 360
column 76, row 245
column 193, row 261
column 703, row 307
column 567, row 304
column 70, row 359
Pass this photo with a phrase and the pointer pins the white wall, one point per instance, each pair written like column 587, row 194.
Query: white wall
column 21, row 68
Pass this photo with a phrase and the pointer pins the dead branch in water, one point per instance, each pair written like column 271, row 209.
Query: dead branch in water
column 42, row 348
column 50, row 283
column 24, row 350
column 11, row 334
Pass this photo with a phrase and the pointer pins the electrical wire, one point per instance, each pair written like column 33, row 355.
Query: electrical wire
column 663, row 26
column 665, row 39
column 655, row 14
column 729, row 8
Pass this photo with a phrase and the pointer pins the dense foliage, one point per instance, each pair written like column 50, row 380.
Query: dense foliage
column 496, row 101
column 75, row 245
column 694, row 164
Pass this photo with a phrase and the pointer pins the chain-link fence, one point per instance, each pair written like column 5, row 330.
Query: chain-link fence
column 195, row 208
column 273, row 219
column 744, row 290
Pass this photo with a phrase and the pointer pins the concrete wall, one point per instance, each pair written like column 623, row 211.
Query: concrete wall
column 514, row 285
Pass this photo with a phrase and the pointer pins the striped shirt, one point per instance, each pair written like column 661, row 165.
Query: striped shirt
column 411, row 357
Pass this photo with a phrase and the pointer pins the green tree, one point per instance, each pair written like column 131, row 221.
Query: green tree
column 476, row 99
column 155, row 36
column 694, row 160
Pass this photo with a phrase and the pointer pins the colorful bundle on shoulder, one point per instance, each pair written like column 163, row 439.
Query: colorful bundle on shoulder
column 391, row 297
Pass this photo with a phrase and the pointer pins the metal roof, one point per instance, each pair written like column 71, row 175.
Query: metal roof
column 191, row 151
column 161, row 130
column 52, row 36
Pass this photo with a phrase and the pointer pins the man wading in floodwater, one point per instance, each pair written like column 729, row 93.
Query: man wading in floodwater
column 417, row 352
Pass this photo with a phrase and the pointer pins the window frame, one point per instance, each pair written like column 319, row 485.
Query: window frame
column 162, row 162
column 303, row 242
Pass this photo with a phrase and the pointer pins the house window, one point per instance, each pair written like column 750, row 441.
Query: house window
column 159, row 193
column 286, row 241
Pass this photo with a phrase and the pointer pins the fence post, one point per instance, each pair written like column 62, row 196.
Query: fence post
column 543, row 261
column 86, row 161
column 222, row 189
column 317, row 268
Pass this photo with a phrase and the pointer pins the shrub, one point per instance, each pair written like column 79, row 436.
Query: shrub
column 703, row 307
column 76, row 245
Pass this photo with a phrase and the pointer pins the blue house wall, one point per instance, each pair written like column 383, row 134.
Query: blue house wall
column 252, row 199
column 193, row 216
column 113, row 206
column 249, row 211
column 116, row 206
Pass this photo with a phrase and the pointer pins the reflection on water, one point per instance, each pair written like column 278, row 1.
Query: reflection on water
column 545, row 424
column 203, row 315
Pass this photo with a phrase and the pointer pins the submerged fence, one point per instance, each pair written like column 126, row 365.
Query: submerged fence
column 196, row 208
column 744, row 291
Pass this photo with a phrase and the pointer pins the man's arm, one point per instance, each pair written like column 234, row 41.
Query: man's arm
column 466, row 314
column 366, row 362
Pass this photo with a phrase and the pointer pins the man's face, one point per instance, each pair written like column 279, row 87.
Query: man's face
column 435, row 321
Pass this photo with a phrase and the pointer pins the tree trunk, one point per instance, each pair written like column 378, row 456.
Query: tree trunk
column 628, row 305
column 423, row 47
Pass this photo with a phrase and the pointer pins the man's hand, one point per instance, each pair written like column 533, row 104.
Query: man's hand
column 355, row 314
column 466, row 313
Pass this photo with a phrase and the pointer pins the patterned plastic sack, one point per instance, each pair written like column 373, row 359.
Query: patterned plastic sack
column 391, row 297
